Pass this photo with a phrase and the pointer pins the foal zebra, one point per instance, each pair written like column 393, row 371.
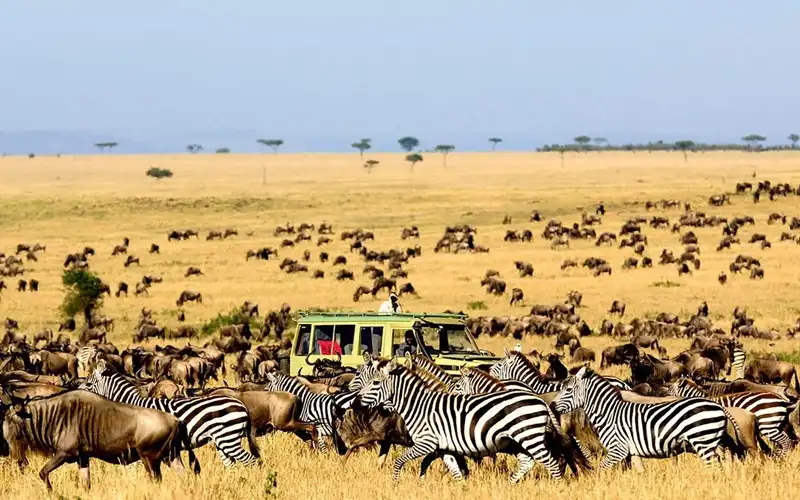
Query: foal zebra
column 317, row 409
column 644, row 430
column 474, row 426
column 221, row 419
column 771, row 411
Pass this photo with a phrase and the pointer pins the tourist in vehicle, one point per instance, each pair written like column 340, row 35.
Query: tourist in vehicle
column 392, row 305
column 409, row 345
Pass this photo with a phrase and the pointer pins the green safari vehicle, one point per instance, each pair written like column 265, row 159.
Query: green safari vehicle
column 444, row 338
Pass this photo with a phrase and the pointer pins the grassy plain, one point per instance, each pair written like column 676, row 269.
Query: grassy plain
column 69, row 202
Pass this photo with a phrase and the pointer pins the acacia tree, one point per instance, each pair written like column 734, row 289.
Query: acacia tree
column 684, row 146
column 599, row 141
column 222, row 151
column 102, row 146
column 370, row 164
column 795, row 138
column 271, row 143
column 194, row 148
column 408, row 143
column 495, row 141
column 754, row 140
column 84, row 293
column 445, row 149
column 583, row 140
column 361, row 146
column 413, row 159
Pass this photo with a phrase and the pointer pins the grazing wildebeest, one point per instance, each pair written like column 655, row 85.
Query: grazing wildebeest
column 193, row 271
column 74, row 426
column 189, row 296
column 154, row 248
column 617, row 307
column 517, row 296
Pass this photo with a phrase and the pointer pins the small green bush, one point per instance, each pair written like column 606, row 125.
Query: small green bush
column 159, row 173
column 477, row 305
column 234, row 317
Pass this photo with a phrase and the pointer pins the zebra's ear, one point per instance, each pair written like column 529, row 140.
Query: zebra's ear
column 101, row 366
column 505, row 350
column 581, row 373
column 367, row 357
column 463, row 370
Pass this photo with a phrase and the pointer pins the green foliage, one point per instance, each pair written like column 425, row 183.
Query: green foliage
column 194, row 148
column 234, row 317
column 271, row 143
column 794, row 138
column 413, row 159
column 790, row 357
column 222, row 151
column 685, row 146
column 362, row 145
column 102, row 146
column 159, row 173
column 495, row 141
column 370, row 164
column 477, row 305
column 583, row 140
column 83, row 292
column 408, row 143
column 599, row 140
column 754, row 140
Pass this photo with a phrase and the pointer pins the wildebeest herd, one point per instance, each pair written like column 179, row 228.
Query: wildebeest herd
column 152, row 402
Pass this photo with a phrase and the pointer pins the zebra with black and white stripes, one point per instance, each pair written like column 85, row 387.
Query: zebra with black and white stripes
column 516, row 366
column 222, row 420
column 739, row 356
column 474, row 426
column 644, row 430
column 317, row 409
column 771, row 410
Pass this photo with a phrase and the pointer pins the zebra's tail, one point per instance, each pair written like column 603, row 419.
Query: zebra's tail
column 185, row 443
column 734, row 424
column 564, row 446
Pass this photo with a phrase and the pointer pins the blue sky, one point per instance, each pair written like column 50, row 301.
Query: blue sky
column 321, row 74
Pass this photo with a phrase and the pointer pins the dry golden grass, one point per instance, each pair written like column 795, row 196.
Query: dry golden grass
column 69, row 202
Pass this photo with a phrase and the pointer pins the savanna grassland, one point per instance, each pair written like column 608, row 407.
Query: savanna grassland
column 70, row 202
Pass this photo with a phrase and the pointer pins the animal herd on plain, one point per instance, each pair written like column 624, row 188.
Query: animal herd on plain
column 153, row 402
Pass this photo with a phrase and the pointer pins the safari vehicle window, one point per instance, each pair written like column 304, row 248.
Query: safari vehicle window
column 323, row 340
column 448, row 339
column 404, row 342
column 344, row 336
column 371, row 339
column 303, row 340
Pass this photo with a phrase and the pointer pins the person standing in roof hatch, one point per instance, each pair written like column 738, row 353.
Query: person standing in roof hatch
column 392, row 305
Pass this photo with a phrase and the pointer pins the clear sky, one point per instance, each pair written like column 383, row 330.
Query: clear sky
column 320, row 72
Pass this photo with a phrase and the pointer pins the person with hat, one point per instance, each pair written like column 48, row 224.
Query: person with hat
column 392, row 305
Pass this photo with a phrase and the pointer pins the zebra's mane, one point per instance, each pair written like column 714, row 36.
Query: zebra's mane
column 481, row 375
column 523, row 359
column 426, row 364
column 429, row 379
column 691, row 384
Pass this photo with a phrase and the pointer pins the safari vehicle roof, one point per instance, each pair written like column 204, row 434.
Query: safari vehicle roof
column 376, row 317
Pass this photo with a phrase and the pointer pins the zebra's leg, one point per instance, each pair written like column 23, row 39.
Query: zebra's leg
column 232, row 451
column 525, row 465
column 535, row 449
column 780, row 439
column 422, row 447
column 584, row 450
column 452, row 465
column 707, row 453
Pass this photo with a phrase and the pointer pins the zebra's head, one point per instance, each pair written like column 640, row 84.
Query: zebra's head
column 365, row 372
column 464, row 383
column 512, row 366
column 572, row 395
column 95, row 382
column 273, row 381
column 379, row 390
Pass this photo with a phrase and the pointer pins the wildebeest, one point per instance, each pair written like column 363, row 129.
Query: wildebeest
column 193, row 271
column 517, row 296
column 618, row 355
column 768, row 371
column 189, row 296
column 617, row 307
column 75, row 426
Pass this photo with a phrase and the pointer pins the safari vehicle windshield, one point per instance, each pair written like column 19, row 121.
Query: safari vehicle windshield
column 447, row 339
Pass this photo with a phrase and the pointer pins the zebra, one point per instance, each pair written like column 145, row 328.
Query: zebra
column 317, row 409
column 221, row 419
column 517, row 366
column 474, row 381
column 737, row 364
column 420, row 361
column 644, row 430
column 474, row 426
column 86, row 355
column 771, row 411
